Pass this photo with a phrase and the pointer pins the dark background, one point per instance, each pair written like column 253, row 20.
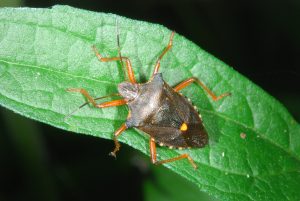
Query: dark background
column 260, row 39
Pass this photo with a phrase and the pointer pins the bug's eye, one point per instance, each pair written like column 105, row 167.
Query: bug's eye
column 128, row 90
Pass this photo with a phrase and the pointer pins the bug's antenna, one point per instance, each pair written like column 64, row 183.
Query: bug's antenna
column 119, row 47
column 69, row 115
column 86, row 103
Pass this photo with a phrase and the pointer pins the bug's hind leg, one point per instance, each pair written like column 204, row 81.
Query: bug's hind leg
column 182, row 156
column 157, row 65
column 193, row 79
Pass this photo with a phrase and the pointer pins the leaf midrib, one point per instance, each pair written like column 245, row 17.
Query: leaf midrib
column 57, row 72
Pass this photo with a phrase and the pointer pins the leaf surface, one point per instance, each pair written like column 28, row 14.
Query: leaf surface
column 254, row 150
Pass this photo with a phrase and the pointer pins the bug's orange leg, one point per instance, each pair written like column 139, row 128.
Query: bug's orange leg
column 104, row 105
column 154, row 161
column 128, row 63
column 157, row 65
column 193, row 79
column 84, row 93
column 117, row 144
column 84, row 104
column 112, row 103
column 92, row 100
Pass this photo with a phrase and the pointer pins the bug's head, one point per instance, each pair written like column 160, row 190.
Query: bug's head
column 128, row 90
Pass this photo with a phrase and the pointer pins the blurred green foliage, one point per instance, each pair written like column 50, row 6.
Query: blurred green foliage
column 165, row 185
column 11, row 3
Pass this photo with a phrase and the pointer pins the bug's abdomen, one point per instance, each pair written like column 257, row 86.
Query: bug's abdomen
column 171, row 127
column 174, row 137
column 166, row 116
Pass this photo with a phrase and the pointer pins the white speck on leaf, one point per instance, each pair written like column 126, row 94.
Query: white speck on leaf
column 243, row 135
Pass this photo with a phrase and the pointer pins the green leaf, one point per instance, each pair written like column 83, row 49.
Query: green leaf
column 45, row 51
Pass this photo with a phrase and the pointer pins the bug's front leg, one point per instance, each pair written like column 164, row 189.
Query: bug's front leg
column 92, row 100
column 128, row 63
column 169, row 46
column 182, row 156
column 117, row 144
column 104, row 105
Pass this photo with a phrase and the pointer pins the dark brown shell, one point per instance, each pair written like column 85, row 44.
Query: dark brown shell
column 159, row 111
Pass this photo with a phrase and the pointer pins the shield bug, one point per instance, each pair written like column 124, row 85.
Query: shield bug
column 157, row 109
